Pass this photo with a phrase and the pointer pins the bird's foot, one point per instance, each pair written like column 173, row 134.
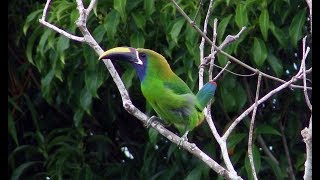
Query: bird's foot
column 183, row 139
column 150, row 120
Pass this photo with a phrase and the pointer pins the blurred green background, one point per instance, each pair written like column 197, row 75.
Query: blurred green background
column 65, row 115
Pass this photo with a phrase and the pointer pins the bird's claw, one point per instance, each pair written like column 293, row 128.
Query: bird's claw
column 149, row 121
column 183, row 139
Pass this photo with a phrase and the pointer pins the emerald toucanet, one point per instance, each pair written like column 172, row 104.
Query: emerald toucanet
column 168, row 95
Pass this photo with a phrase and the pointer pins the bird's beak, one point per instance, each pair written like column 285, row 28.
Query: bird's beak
column 122, row 53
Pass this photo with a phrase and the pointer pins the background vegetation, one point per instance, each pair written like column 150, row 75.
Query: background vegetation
column 65, row 115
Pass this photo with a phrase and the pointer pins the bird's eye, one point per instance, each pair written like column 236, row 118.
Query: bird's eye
column 143, row 55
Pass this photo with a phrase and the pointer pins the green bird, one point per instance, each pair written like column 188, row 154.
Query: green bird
column 168, row 95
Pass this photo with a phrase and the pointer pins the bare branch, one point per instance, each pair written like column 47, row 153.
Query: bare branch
column 264, row 98
column 309, row 2
column 207, row 111
column 91, row 6
column 201, row 46
column 229, row 39
column 60, row 31
column 214, row 38
column 224, row 68
column 286, row 150
column 266, row 149
column 226, row 54
column 260, row 139
column 45, row 10
column 55, row 28
column 307, row 138
column 251, row 129
column 303, row 65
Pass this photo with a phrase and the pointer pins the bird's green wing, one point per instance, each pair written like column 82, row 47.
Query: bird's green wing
column 177, row 86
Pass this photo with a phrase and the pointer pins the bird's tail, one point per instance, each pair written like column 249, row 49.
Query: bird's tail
column 206, row 93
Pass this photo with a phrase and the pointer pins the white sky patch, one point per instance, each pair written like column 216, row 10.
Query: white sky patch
column 126, row 152
column 139, row 60
column 295, row 66
column 287, row 72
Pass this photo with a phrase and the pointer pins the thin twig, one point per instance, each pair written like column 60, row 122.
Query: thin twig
column 286, row 150
column 60, row 31
column 303, row 64
column 226, row 54
column 91, row 6
column 229, row 39
column 264, row 98
column 266, row 149
column 251, row 130
column 223, row 69
column 214, row 38
column 45, row 10
column 201, row 46
column 309, row 2
column 55, row 28
column 261, row 141
column 307, row 138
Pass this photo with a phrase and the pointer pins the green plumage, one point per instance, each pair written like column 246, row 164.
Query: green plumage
column 168, row 95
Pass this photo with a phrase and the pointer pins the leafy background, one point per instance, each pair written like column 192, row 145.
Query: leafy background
column 65, row 116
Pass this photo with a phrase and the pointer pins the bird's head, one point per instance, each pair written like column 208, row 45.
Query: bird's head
column 140, row 58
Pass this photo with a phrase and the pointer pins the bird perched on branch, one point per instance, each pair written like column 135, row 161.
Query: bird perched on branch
column 168, row 95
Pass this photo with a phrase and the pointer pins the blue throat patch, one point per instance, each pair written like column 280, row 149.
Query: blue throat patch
column 141, row 69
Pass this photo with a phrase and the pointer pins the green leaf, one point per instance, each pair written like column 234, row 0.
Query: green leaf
column 11, row 101
column 194, row 174
column 232, row 94
column 120, row 6
column 241, row 17
column 137, row 40
column 127, row 77
column 62, row 44
column 94, row 79
column 12, row 128
column 222, row 27
column 256, row 161
column 23, row 167
column 86, row 173
column 26, row 149
column 259, row 51
column 279, row 35
column 176, row 29
column 222, row 59
column 266, row 129
column 264, row 23
column 33, row 111
column 45, row 84
column 275, row 64
column 43, row 41
column 148, row 6
column 99, row 32
column 111, row 23
column 77, row 117
column 30, row 18
column 240, row 96
column 275, row 168
column 295, row 29
column 237, row 155
column 140, row 20
column 85, row 100
column 235, row 139
column 153, row 136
